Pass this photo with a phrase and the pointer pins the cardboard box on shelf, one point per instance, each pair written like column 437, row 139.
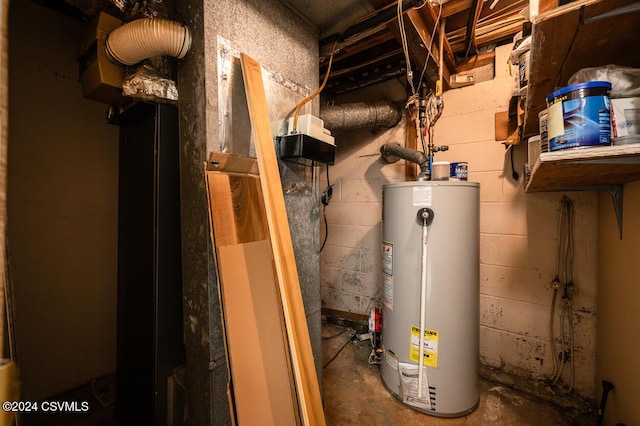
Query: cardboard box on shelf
column 101, row 79
column 508, row 123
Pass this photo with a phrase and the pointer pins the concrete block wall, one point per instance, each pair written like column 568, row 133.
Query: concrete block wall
column 519, row 235
column 351, row 259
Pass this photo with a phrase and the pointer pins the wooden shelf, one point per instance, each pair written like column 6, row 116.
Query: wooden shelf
column 583, row 167
column 566, row 39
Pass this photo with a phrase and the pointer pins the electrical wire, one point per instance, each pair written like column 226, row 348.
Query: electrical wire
column 328, row 71
column 405, row 47
column 552, row 343
column 564, row 278
column 570, row 289
column 556, row 284
column 562, row 352
column 374, row 358
column 573, row 359
column 335, row 335
column 324, row 83
column 561, row 271
column 433, row 34
column 351, row 339
column 326, row 228
column 433, row 105
column 514, row 174
column 326, row 199
column 424, row 143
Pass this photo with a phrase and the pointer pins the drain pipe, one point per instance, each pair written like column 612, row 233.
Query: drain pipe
column 360, row 114
column 146, row 38
column 391, row 152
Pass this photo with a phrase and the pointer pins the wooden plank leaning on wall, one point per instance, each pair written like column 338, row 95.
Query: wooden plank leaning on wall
column 262, row 390
column 309, row 398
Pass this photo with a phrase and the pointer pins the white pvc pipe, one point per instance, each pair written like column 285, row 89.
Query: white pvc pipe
column 146, row 38
column 423, row 303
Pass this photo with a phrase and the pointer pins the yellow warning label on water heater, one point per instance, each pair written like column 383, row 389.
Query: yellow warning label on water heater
column 430, row 352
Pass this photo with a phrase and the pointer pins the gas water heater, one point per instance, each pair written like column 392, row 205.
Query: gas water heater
column 430, row 299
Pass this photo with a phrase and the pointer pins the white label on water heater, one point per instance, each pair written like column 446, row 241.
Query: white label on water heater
column 409, row 385
column 391, row 359
column 430, row 351
column 387, row 291
column 387, row 258
column 422, row 196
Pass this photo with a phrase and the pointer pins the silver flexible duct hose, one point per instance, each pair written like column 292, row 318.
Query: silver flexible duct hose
column 146, row 38
column 360, row 114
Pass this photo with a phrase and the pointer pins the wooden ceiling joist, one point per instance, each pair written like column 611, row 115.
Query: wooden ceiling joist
column 476, row 61
column 500, row 33
column 362, row 65
column 452, row 7
column 471, row 25
column 377, row 33
column 346, row 49
column 421, row 39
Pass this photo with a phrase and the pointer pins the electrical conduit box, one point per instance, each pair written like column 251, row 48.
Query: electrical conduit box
column 310, row 141
column 101, row 79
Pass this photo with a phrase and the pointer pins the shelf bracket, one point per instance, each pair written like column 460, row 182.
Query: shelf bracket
column 614, row 190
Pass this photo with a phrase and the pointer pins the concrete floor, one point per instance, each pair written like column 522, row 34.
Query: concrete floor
column 355, row 395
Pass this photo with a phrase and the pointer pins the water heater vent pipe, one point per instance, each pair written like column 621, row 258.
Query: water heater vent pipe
column 392, row 151
column 146, row 38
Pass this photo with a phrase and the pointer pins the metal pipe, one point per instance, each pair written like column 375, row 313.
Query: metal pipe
column 360, row 114
column 390, row 150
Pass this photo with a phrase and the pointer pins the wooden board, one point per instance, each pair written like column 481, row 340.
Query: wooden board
column 232, row 163
column 236, row 204
column 6, row 314
column 411, row 142
column 304, row 369
column 263, row 391
column 608, row 165
column 255, row 343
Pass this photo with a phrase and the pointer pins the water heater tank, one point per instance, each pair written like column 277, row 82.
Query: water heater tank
column 431, row 267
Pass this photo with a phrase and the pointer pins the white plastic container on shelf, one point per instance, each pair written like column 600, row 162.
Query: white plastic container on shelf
column 543, row 116
column 519, row 49
column 523, row 73
column 625, row 116
column 533, row 150
column 520, row 58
